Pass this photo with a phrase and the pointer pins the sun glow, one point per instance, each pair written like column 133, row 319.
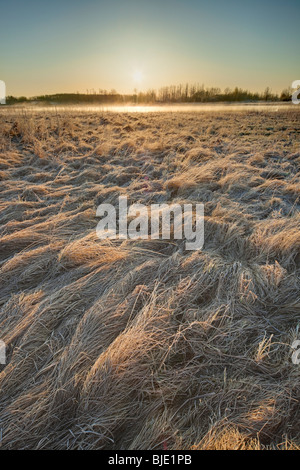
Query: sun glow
column 137, row 76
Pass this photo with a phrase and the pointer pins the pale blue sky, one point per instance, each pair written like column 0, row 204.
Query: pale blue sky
column 71, row 45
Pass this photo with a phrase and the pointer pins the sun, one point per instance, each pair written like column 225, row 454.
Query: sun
column 137, row 76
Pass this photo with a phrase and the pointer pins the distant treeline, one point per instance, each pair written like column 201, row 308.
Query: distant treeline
column 168, row 94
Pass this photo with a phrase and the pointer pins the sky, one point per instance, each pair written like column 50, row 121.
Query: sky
column 72, row 46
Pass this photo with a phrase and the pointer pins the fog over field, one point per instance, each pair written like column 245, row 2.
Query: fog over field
column 148, row 108
column 141, row 344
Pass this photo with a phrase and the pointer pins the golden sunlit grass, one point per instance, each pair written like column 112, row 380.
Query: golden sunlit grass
column 141, row 344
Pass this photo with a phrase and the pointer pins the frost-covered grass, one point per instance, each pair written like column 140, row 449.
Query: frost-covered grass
column 141, row 344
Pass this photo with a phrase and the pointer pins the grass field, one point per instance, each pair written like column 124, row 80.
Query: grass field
column 141, row 344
